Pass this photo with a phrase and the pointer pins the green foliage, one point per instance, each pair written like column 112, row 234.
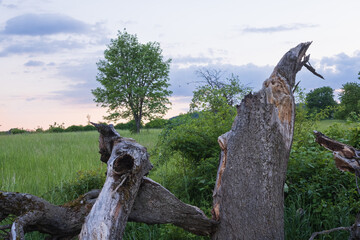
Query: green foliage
column 217, row 93
column 318, row 196
column 84, row 181
column 134, row 79
column 319, row 99
column 130, row 125
column 17, row 131
column 156, row 123
column 74, row 128
column 350, row 99
column 56, row 128
column 89, row 128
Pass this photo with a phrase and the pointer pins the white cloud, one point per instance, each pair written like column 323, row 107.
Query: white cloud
column 278, row 28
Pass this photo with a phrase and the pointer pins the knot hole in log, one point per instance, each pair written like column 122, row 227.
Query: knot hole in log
column 123, row 164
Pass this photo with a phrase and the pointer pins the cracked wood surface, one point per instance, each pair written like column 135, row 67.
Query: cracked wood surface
column 248, row 194
column 126, row 166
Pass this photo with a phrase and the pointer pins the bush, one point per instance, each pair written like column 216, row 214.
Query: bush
column 89, row 128
column 74, row 128
column 157, row 123
column 56, row 128
column 83, row 183
column 131, row 125
column 17, row 131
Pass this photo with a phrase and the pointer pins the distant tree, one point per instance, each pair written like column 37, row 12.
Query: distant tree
column 350, row 99
column 319, row 99
column 217, row 91
column 134, row 79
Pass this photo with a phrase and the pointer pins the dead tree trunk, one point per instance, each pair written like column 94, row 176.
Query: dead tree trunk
column 248, row 195
column 127, row 164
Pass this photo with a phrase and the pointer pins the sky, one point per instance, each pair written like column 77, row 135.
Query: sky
column 49, row 49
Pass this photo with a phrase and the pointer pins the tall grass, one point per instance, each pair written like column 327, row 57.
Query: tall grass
column 35, row 163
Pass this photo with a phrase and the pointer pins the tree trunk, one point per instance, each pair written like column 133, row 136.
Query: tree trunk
column 248, row 195
column 137, row 123
column 127, row 164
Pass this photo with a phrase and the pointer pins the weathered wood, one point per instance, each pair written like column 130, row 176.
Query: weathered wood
column 346, row 157
column 153, row 205
column 36, row 214
column 157, row 205
column 248, row 195
column 127, row 164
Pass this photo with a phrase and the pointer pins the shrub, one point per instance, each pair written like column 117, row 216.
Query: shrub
column 17, row 131
column 89, row 128
column 56, row 128
column 83, row 183
column 131, row 125
column 157, row 123
column 74, row 128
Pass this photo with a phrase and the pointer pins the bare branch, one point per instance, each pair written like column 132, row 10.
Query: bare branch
column 329, row 231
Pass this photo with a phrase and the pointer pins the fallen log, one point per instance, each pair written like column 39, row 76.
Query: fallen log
column 35, row 214
column 346, row 159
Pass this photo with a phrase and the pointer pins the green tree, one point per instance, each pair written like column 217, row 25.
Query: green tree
column 350, row 99
column 134, row 79
column 218, row 91
column 320, row 99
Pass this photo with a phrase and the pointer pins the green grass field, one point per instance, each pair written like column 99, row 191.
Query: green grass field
column 324, row 124
column 35, row 163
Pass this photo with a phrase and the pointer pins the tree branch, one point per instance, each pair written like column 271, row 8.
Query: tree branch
column 329, row 231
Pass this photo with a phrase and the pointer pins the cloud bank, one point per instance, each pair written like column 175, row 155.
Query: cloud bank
column 44, row 24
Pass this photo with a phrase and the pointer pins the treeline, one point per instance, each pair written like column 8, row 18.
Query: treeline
column 59, row 128
column 319, row 99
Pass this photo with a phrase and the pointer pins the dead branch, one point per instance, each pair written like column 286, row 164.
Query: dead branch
column 329, row 231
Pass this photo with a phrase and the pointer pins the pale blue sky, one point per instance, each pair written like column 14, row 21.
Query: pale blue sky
column 49, row 49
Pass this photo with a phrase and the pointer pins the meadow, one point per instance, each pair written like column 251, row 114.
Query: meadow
column 36, row 163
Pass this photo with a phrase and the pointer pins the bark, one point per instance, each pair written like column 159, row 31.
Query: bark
column 248, row 195
column 156, row 205
column 127, row 164
column 346, row 157
column 36, row 214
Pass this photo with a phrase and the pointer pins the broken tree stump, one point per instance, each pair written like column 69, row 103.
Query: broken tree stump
column 126, row 166
column 248, row 195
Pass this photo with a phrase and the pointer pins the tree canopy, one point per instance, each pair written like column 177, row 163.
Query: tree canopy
column 134, row 79
column 350, row 99
column 319, row 99
column 217, row 91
